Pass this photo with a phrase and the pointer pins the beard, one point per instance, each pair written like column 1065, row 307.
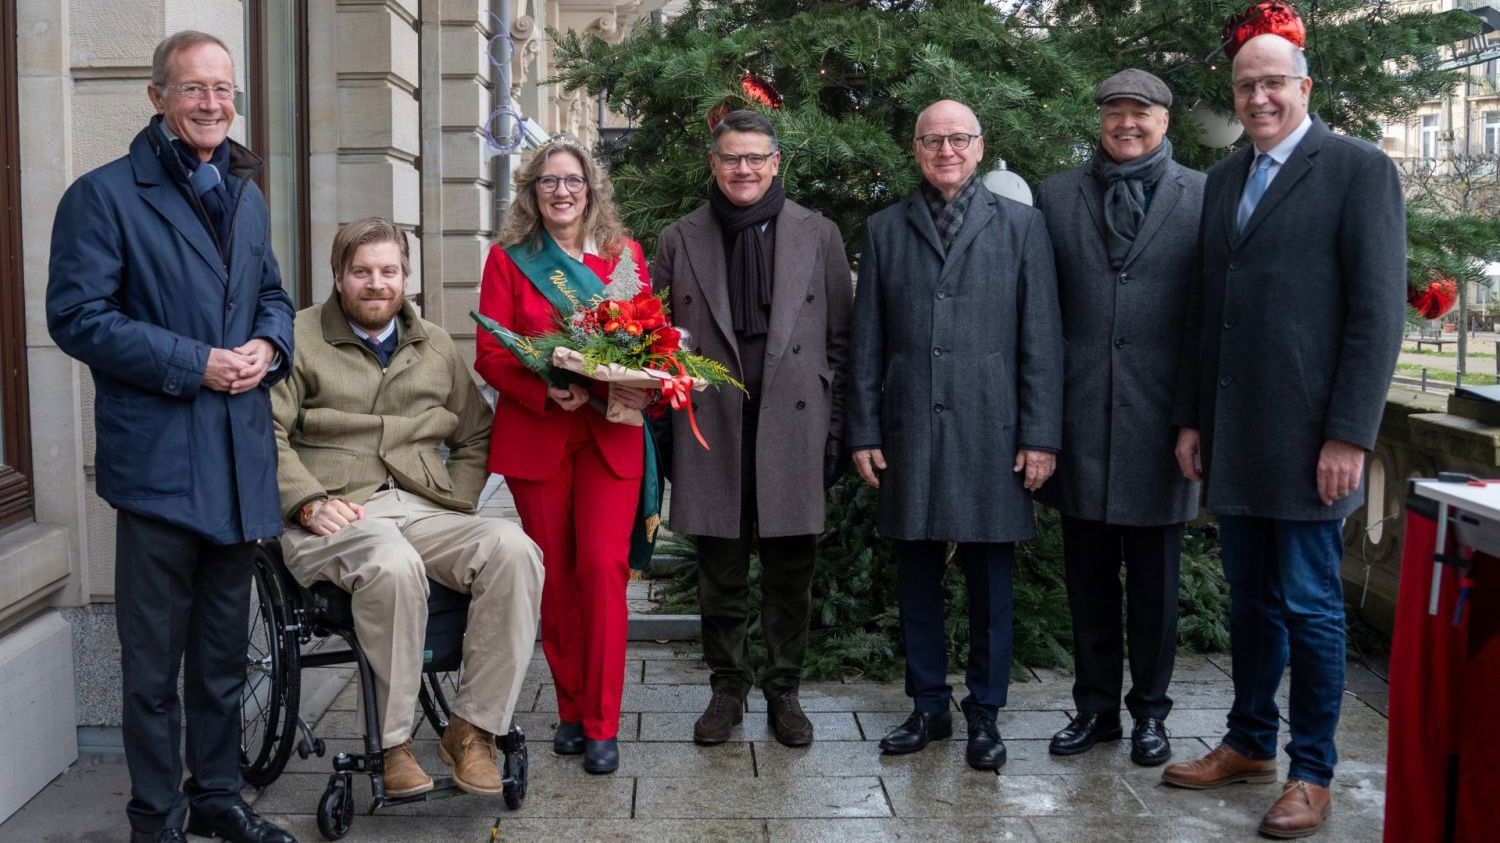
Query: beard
column 372, row 314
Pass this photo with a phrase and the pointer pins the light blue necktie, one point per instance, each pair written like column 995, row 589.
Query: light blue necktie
column 1254, row 189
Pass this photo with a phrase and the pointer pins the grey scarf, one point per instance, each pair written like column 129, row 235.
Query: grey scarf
column 1125, row 188
column 948, row 214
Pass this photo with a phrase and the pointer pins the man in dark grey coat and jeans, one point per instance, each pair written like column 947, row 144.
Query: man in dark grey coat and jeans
column 1284, row 385
column 954, row 412
column 1124, row 231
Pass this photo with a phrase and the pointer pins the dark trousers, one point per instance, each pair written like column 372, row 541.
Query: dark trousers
column 786, row 572
column 178, row 597
column 920, row 566
column 1092, row 554
column 1286, row 602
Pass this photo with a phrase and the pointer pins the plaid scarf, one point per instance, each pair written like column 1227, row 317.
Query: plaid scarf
column 948, row 214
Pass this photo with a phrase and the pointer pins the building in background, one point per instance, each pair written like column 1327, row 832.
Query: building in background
column 359, row 107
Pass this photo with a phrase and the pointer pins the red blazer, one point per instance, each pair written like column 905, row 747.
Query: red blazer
column 530, row 429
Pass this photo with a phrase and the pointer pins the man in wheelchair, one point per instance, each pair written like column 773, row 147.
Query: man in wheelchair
column 374, row 394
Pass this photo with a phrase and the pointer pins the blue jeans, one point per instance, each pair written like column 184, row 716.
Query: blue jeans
column 1286, row 598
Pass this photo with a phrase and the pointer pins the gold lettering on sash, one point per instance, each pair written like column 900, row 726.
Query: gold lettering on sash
column 560, row 281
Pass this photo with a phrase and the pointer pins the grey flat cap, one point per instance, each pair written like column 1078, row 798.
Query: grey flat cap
column 1135, row 84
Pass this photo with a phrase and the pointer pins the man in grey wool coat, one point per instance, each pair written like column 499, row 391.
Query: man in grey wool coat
column 1125, row 236
column 1284, row 384
column 954, row 412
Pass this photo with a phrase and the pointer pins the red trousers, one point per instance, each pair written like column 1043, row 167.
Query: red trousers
column 581, row 517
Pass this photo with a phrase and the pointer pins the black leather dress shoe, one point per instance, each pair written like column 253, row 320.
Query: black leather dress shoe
column 918, row 730
column 239, row 824
column 986, row 751
column 166, row 835
column 1085, row 731
column 601, row 756
column 568, row 739
column 1149, row 746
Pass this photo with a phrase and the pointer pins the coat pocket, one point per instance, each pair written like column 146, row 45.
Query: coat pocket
column 143, row 446
column 437, row 471
column 331, row 466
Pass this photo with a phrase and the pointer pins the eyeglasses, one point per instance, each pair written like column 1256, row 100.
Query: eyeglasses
column 754, row 160
column 1272, row 85
column 959, row 141
column 198, row 92
column 550, row 184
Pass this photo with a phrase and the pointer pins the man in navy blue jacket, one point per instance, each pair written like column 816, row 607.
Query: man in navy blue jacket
column 163, row 282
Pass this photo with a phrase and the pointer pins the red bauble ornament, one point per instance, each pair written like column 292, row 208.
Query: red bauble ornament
column 1433, row 298
column 1272, row 17
column 759, row 90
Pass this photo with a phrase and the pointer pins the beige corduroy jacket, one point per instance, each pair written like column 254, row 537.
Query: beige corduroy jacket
column 344, row 425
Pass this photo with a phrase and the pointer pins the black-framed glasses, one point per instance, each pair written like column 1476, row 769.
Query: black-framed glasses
column 550, row 184
column 754, row 160
column 198, row 92
column 958, row 140
column 1272, row 85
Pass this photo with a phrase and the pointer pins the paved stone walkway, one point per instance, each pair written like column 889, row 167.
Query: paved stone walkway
column 841, row 788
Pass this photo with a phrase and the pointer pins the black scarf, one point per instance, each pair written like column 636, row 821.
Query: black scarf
column 745, row 250
column 1125, row 187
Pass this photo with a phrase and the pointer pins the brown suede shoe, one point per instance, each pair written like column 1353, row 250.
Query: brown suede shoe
column 403, row 776
column 470, row 751
column 1220, row 767
column 1298, row 812
column 788, row 724
column 719, row 719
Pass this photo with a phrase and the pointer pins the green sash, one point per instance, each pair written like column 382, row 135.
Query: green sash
column 568, row 285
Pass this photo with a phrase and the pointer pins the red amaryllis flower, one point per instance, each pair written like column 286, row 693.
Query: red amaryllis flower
column 666, row 341
column 646, row 309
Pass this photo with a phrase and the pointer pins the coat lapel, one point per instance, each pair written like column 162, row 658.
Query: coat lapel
column 705, row 253
column 1239, row 172
column 1296, row 166
column 981, row 210
column 791, row 273
column 1168, row 191
column 169, row 202
column 921, row 219
column 1093, row 200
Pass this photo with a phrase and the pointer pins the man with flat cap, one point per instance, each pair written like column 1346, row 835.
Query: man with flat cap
column 1124, row 231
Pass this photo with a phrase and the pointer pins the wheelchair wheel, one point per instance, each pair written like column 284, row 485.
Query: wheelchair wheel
column 434, row 694
column 336, row 807
column 268, row 703
column 517, row 768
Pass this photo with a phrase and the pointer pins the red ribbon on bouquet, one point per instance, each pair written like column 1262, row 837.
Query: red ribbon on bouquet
column 679, row 388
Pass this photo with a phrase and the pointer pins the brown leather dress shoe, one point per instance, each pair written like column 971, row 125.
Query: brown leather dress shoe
column 790, row 726
column 403, row 776
column 470, row 751
column 1298, row 812
column 719, row 719
column 1220, row 767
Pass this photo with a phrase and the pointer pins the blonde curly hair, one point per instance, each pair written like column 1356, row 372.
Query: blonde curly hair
column 601, row 221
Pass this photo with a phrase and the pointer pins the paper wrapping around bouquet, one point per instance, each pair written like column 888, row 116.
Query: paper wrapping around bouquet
column 616, row 375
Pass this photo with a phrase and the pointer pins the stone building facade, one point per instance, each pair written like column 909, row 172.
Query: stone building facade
column 360, row 107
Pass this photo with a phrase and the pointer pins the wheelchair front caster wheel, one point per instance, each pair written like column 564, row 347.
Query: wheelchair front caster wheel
column 336, row 808
column 516, row 769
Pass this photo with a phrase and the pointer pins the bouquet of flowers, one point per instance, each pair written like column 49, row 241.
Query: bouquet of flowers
column 619, row 341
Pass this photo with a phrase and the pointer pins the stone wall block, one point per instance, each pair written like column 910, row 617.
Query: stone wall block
column 374, row 115
column 376, row 185
column 465, row 157
column 463, row 259
column 107, row 115
column 466, row 104
column 466, row 207
column 465, row 51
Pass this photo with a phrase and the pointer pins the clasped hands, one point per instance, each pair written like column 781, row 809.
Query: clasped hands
column 576, row 396
column 240, row 369
column 1036, row 465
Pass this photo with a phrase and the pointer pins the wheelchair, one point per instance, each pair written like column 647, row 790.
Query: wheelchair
column 284, row 616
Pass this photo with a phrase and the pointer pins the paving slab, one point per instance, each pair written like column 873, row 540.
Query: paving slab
column 839, row 696
column 658, row 760
column 692, row 698
column 298, row 793
column 512, row 828
column 540, row 725
column 388, row 828
column 856, row 758
column 1005, row 829
column 982, row 794
column 1012, row 723
column 789, row 798
column 675, row 672
column 678, row 726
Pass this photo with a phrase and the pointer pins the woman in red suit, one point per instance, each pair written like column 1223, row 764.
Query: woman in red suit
column 575, row 477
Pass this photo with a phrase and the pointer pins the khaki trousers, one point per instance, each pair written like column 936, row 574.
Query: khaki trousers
column 384, row 561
